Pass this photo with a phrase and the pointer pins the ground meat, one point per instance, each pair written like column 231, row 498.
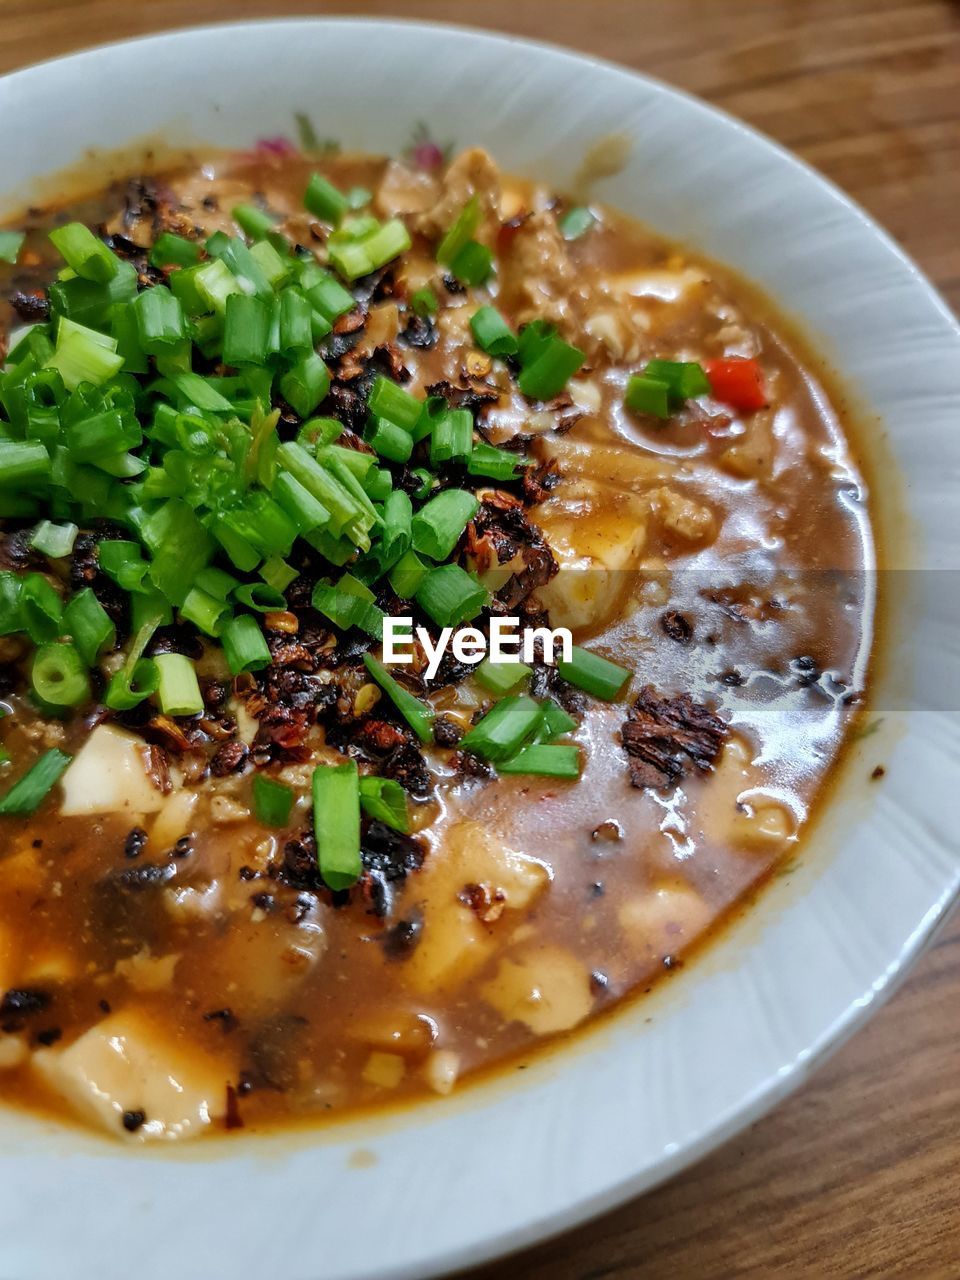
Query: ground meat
column 500, row 532
column 408, row 766
column 32, row 308
column 446, row 732
column 664, row 737
column 419, row 331
column 468, row 393
column 388, row 857
column 228, row 758
column 676, row 626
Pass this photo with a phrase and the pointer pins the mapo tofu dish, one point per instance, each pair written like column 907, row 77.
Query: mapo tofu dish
column 253, row 410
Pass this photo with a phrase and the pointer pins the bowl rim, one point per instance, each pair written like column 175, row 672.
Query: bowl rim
column 773, row 1090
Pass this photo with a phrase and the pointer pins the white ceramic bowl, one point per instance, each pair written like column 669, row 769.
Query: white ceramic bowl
column 459, row 1180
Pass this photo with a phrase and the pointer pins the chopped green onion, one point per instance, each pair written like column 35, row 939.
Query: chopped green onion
column 504, row 730
column 389, row 401
column 556, row 722
column 417, row 714
column 407, row 574
column 595, row 675
column 26, row 795
column 171, row 250
column 349, row 604
column 359, row 197
column 378, row 484
column 385, row 800
column 425, row 481
column 448, row 594
column 648, row 395
column 89, row 625
column 253, row 222
column 396, row 534
column 685, row 378
column 58, row 675
column 326, row 293
column 83, row 355
column 460, row 232
column 274, row 266
column 160, row 319
column 205, row 611
column 84, row 253
column 500, row 464
column 546, row 375
column 324, row 200
column 473, row 264
column 260, row 597
column 41, row 608
column 54, row 540
column 545, row 760
column 138, row 678
column 492, row 333
column 576, row 222
column 438, row 524
column 387, row 243
column 296, row 330
column 336, row 823
column 423, row 302
column 501, row 677
column 452, row 437
column 277, row 573
column 215, row 582
column 11, row 242
column 319, row 432
column 195, row 392
column 244, row 645
column 246, row 330
column 389, row 440
column 215, row 282
column 23, row 462
column 306, row 384
column 11, row 613
column 299, row 503
column 178, row 691
column 272, row 801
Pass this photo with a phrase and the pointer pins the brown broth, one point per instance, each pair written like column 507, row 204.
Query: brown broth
column 755, row 530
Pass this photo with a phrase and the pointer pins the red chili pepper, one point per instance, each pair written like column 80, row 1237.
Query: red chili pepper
column 738, row 382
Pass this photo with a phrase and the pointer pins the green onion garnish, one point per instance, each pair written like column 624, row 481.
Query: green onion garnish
column 207, row 612
column 89, row 625
column 423, row 302
column 59, row 675
column 546, row 375
column 306, row 384
column 11, row 614
column 385, row 800
column 171, row 250
column 438, row 524
column 461, row 231
column 389, row 401
column 26, row 795
column 272, row 801
column 452, row 438
column 685, row 378
column 417, row 715
column 324, row 201
column 246, row 329
column 336, row 823
column 473, row 264
column 501, row 677
column 544, row 760
column 504, row 730
column 492, row 333
column 253, row 222
column 84, row 253
column 596, row 675
column 41, row 608
column 648, row 395
column 178, row 691
column 389, row 440
column 244, row 645
column 11, row 242
column 449, row 595
column 556, row 722
column 54, row 540
column 500, row 464
column 576, row 222
column 405, row 577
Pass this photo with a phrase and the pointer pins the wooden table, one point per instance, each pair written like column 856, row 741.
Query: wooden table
column 857, row 1175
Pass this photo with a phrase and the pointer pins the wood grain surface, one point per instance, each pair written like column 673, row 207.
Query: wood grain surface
column 858, row 1174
